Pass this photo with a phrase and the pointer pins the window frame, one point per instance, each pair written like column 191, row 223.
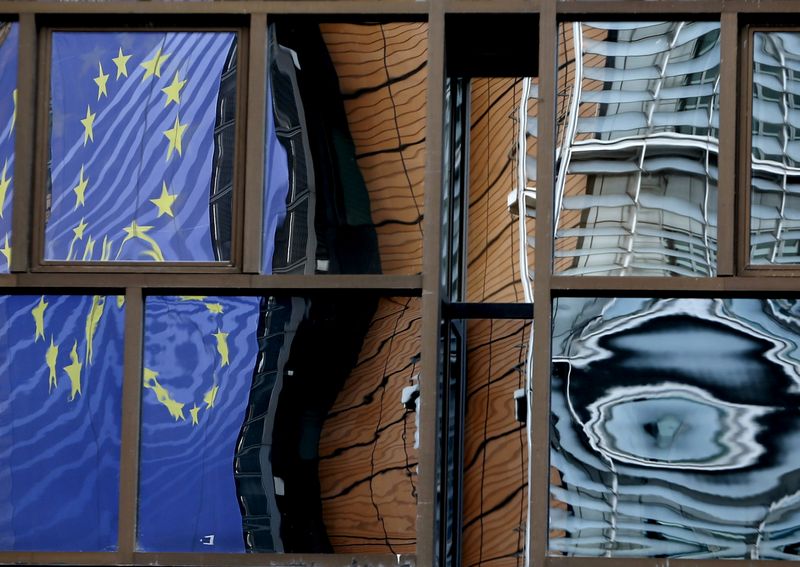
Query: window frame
column 29, row 275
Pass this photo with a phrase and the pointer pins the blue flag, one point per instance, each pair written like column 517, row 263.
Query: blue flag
column 135, row 145
column 9, row 47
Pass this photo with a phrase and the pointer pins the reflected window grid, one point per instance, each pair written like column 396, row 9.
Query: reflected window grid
column 636, row 173
column 775, row 177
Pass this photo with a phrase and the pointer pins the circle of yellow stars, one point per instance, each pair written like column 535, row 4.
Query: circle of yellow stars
column 164, row 201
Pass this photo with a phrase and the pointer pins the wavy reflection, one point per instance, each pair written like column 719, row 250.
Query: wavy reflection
column 775, row 150
column 675, row 427
column 636, row 171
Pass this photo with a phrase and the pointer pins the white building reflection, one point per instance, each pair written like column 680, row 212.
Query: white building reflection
column 675, row 427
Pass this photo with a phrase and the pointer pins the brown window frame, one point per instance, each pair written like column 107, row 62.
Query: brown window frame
column 29, row 274
column 51, row 25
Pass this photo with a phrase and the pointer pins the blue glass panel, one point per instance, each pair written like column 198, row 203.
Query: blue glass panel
column 199, row 358
column 141, row 146
column 60, row 396
column 675, row 428
column 8, row 112
column 258, row 418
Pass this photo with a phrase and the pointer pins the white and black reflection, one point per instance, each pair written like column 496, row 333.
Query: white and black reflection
column 675, row 424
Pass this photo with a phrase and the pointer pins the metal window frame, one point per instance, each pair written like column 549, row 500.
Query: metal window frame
column 733, row 276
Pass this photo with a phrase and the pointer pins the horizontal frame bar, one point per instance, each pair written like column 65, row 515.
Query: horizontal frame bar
column 487, row 311
column 226, row 559
column 408, row 284
column 231, row 7
column 564, row 286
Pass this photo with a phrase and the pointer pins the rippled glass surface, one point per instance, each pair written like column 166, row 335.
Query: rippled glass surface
column 502, row 189
column 60, row 397
column 345, row 148
column 775, row 146
column 279, row 424
column 9, row 34
column 141, row 147
column 675, row 427
column 636, row 182
column 495, row 460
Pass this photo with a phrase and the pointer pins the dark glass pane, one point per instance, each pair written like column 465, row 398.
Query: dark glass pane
column 8, row 114
column 275, row 424
column 636, row 182
column 141, row 143
column 345, row 148
column 775, row 159
column 675, row 428
column 60, row 396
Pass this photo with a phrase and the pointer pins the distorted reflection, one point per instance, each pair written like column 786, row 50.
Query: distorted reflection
column 141, row 146
column 636, row 182
column 675, row 427
column 60, row 408
column 9, row 34
column 345, row 147
column 278, row 423
column 775, row 159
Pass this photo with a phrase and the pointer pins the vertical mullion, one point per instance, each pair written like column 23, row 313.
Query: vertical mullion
column 23, row 144
column 431, row 291
column 726, row 162
column 131, row 402
column 539, row 398
column 255, row 136
column 745, row 116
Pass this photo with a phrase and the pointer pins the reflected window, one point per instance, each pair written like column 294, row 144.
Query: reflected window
column 141, row 147
column 60, row 408
column 345, row 148
column 775, row 150
column 636, row 176
column 674, row 428
column 278, row 424
column 9, row 39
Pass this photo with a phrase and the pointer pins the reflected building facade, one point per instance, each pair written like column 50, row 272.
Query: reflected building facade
column 674, row 428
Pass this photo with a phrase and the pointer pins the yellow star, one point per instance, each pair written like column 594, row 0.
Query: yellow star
column 80, row 190
column 121, row 61
column 153, row 66
column 135, row 231
column 78, row 230
column 222, row 346
column 164, row 202
column 210, row 397
column 4, row 184
column 6, row 251
column 101, row 80
column 173, row 91
column 38, row 318
column 214, row 307
column 88, row 122
column 175, row 135
column 51, row 357
column 194, row 411
column 74, row 372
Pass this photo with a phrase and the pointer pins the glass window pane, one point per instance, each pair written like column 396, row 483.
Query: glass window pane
column 141, row 147
column 675, row 428
column 60, row 397
column 636, row 182
column 279, row 424
column 8, row 114
column 345, row 159
column 495, row 460
column 775, row 150
column 502, row 189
